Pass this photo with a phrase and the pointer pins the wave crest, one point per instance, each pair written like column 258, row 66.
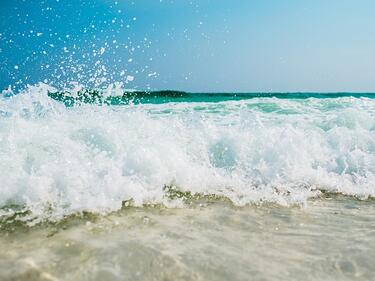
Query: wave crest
column 56, row 161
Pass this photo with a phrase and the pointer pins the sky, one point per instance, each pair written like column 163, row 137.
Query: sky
column 192, row 45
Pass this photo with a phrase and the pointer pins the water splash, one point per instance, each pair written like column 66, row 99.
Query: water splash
column 57, row 161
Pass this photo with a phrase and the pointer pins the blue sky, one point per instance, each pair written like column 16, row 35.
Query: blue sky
column 196, row 45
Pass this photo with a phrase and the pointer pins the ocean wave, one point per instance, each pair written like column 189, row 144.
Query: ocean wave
column 58, row 160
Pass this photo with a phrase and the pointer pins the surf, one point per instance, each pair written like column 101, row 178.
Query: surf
column 59, row 160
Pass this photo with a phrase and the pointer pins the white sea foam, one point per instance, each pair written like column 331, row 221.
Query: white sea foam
column 56, row 161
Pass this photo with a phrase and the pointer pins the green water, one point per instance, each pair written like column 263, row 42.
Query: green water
column 158, row 97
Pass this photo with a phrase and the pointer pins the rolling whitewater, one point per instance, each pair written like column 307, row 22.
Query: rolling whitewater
column 148, row 180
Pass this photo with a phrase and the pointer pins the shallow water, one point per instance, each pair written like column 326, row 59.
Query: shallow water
column 330, row 238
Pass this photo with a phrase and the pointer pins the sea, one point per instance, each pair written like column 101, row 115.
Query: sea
column 167, row 185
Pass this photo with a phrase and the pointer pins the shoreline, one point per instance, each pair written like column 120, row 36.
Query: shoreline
column 329, row 237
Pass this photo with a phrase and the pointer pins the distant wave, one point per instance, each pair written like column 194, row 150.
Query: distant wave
column 58, row 160
column 127, row 97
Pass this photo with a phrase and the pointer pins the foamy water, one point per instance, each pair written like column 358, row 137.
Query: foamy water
column 57, row 161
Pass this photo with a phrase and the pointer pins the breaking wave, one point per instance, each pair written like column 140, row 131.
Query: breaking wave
column 58, row 160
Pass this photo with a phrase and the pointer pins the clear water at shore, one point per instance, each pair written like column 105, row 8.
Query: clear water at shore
column 331, row 238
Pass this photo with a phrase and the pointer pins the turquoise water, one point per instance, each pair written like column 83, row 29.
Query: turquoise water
column 157, row 97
